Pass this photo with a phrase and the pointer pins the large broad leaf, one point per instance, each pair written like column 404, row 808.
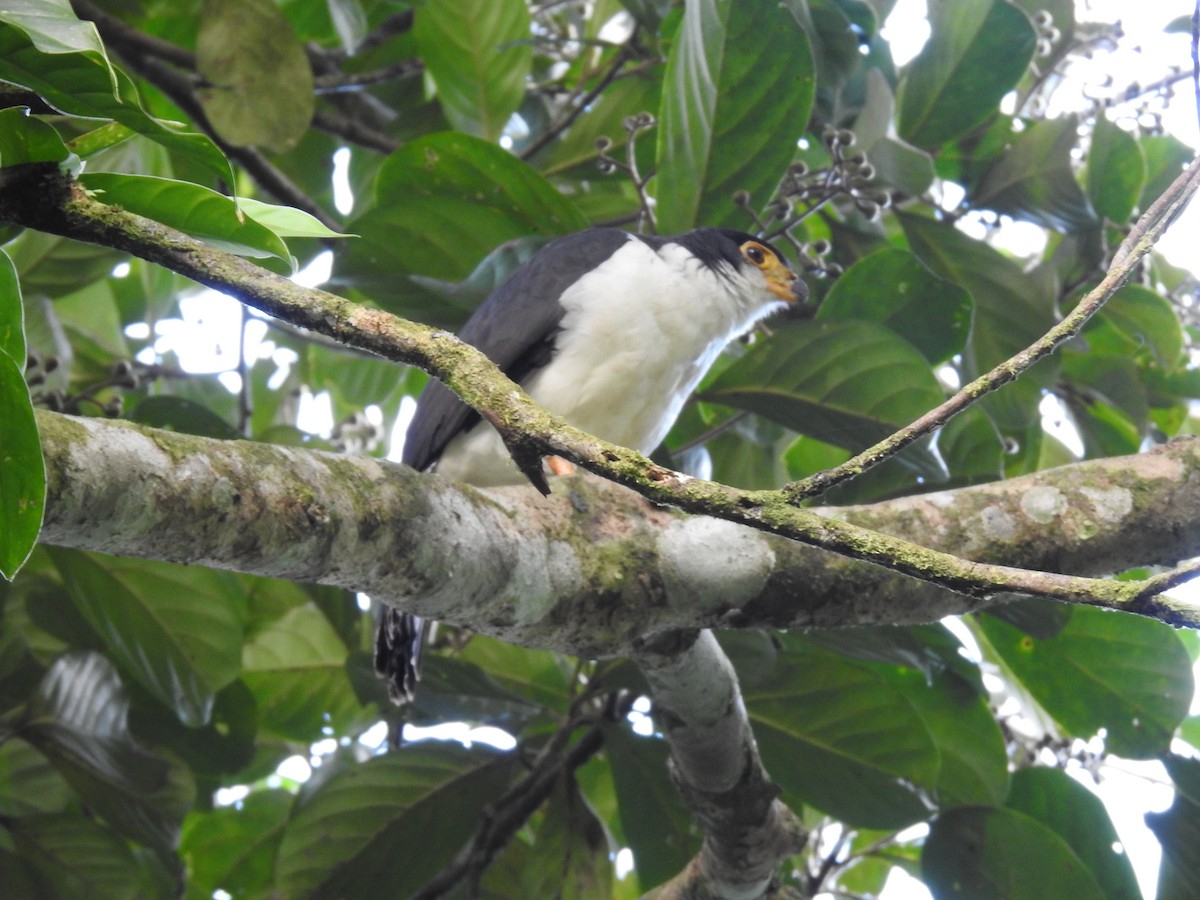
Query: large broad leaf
column 896, row 162
column 1077, row 816
column 22, row 471
column 973, row 761
column 233, row 849
column 477, row 53
column 200, row 212
column 258, row 84
column 1128, row 675
column 441, row 204
column 177, row 631
column 656, row 824
column 978, row 853
column 69, row 856
column 977, row 54
column 971, row 447
column 1116, row 171
column 296, row 668
column 46, row 48
column 848, row 383
column 78, row 718
column 1178, row 830
column 418, row 805
column 893, row 288
column 24, row 139
column 1010, row 312
column 28, row 783
column 1034, row 179
column 1166, row 156
column 604, row 119
column 840, row 737
column 570, row 855
column 736, row 97
column 1138, row 317
column 536, row 675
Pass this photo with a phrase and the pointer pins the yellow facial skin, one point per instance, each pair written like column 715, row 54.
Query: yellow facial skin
column 780, row 279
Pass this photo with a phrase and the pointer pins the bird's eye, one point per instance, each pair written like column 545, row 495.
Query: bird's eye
column 754, row 253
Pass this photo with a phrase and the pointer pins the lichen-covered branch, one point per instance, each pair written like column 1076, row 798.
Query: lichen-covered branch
column 592, row 568
column 748, row 830
column 40, row 197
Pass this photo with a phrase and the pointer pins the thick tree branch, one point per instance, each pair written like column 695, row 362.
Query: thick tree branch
column 748, row 831
column 593, row 568
column 40, row 197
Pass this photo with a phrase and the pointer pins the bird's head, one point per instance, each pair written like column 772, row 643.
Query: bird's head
column 727, row 251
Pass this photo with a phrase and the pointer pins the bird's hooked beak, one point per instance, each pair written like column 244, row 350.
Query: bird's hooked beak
column 783, row 282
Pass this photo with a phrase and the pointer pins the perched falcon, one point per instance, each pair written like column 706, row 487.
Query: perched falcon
column 610, row 330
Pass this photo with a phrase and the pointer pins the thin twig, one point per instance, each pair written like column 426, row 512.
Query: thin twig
column 1137, row 243
column 352, row 81
column 507, row 815
column 577, row 106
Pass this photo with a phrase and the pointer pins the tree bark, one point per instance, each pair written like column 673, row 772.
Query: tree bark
column 593, row 568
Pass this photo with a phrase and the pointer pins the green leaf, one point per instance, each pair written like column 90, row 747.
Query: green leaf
column 286, row 221
column 978, row 853
column 28, row 783
column 656, row 824
column 973, row 765
column 846, row 383
column 1111, row 377
column 46, row 48
column 12, row 313
column 69, row 856
column 626, row 97
column 296, row 668
column 180, row 414
column 1116, row 171
column 419, row 805
column 1010, row 313
column 78, row 719
column 536, row 675
column 24, row 139
column 1034, row 179
column 200, row 212
column 92, row 142
column 233, row 849
column 736, row 97
column 1178, row 830
column 477, row 53
column 1166, row 156
column 453, row 690
column 1145, row 319
column 176, row 630
column 977, row 54
column 1078, row 816
column 896, row 163
column 571, row 851
column 258, row 86
column 22, row 471
column 840, row 737
column 971, row 447
column 893, row 288
column 1128, row 675
column 441, row 204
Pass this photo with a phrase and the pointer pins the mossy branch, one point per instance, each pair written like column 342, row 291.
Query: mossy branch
column 40, row 197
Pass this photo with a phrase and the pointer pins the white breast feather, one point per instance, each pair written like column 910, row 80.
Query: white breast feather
column 632, row 349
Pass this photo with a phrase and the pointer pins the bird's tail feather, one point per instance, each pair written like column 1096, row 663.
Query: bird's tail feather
column 398, row 644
